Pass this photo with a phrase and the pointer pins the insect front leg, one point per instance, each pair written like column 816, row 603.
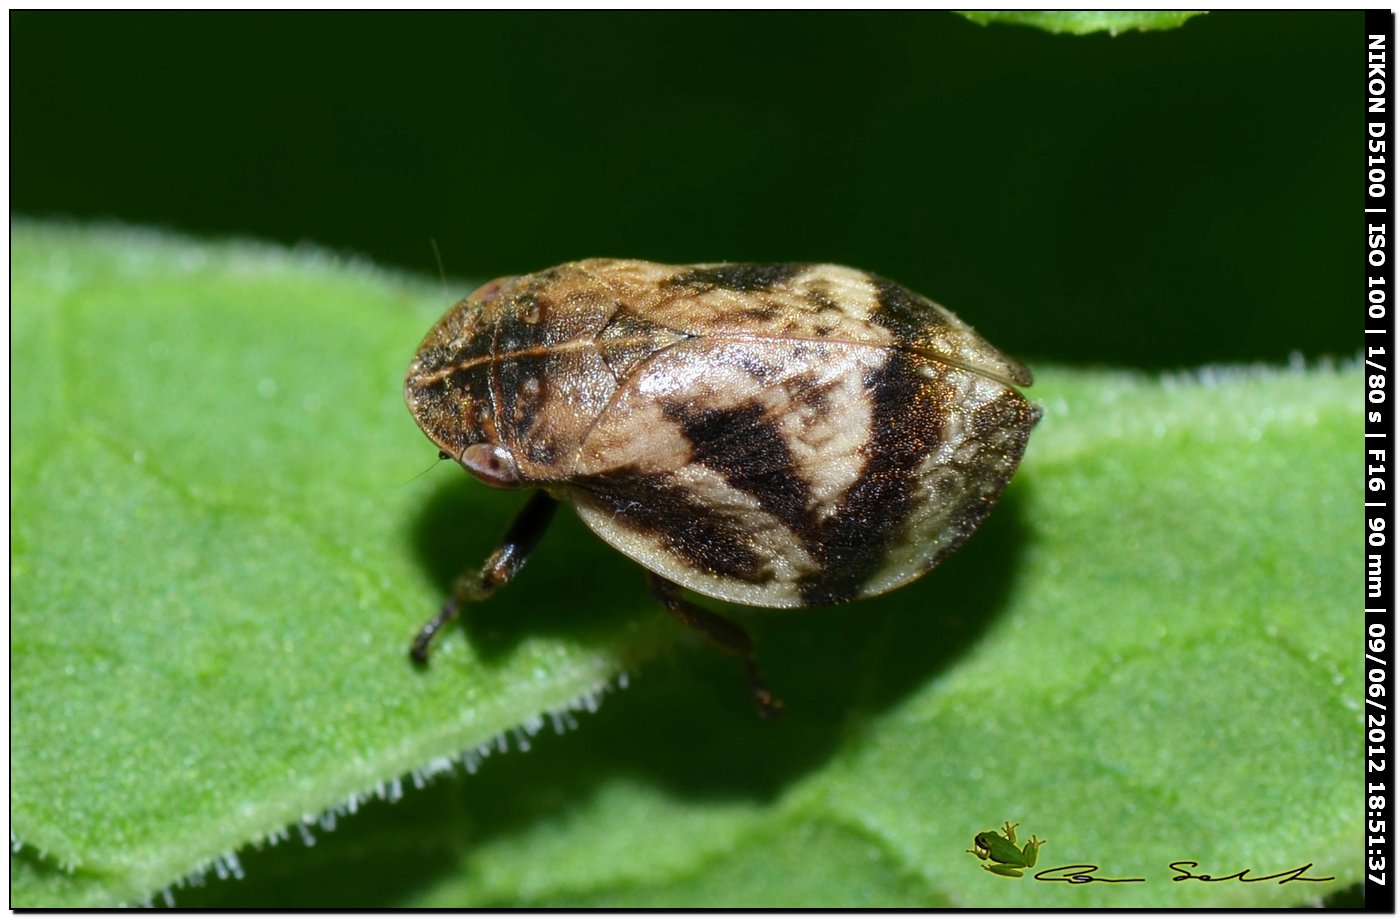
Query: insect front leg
column 729, row 637
column 503, row 565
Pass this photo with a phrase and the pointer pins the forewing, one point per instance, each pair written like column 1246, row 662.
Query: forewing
column 716, row 452
column 800, row 472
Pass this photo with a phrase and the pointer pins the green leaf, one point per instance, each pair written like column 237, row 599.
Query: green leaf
column 1083, row 22
column 220, row 549
column 222, row 546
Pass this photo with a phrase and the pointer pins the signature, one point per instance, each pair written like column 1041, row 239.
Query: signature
column 1086, row 874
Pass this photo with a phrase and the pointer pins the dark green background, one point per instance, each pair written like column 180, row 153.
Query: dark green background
column 1154, row 200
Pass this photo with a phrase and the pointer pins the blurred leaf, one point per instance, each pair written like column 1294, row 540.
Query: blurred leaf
column 1083, row 22
column 220, row 549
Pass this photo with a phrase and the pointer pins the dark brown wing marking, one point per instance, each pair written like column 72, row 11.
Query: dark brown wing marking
column 746, row 448
column 906, row 426
column 741, row 278
column 657, row 504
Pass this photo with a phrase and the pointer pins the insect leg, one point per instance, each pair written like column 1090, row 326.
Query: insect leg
column 729, row 637
column 503, row 565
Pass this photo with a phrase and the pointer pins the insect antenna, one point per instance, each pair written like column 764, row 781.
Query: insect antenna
column 442, row 273
column 441, row 456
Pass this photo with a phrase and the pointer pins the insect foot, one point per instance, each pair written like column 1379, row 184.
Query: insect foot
column 777, row 435
column 724, row 634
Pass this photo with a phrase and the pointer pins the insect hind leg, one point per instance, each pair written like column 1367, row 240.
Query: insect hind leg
column 728, row 636
column 504, row 564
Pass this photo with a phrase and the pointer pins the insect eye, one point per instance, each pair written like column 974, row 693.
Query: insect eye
column 492, row 464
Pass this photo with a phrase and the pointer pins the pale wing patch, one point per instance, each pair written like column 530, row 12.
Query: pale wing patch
column 828, row 424
column 843, row 289
column 633, row 434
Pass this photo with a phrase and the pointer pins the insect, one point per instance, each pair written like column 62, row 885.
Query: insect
column 1000, row 849
column 777, row 435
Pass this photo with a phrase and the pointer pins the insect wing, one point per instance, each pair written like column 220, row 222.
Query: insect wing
column 779, row 472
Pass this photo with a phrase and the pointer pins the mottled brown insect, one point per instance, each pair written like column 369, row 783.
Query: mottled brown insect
column 778, row 435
